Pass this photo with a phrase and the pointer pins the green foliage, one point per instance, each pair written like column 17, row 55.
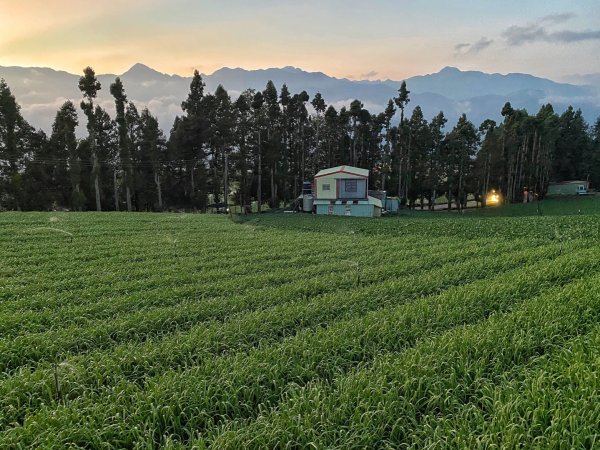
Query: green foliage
column 19, row 144
column 193, row 105
column 264, row 145
column 184, row 331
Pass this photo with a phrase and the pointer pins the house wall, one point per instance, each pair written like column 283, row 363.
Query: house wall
column 323, row 194
column 364, row 210
column 361, row 189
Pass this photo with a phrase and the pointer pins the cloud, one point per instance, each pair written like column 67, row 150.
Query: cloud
column 589, row 79
column 41, row 114
column 368, row 105
column 581, row 101
column 480, row 45
column 537, row 31
column 518, row 35
column 466, row 48
column 575, row 36
column 557, row 18
column 463, row 107
column 370, row 74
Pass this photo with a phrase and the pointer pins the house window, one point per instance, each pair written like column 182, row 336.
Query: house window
column 326, row 187
column 351, row 186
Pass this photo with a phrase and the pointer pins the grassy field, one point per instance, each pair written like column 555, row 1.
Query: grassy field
column 427, row 330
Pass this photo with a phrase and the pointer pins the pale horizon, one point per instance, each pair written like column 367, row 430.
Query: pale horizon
column 250, row 69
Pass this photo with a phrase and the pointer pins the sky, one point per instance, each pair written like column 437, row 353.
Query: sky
column 367, row 39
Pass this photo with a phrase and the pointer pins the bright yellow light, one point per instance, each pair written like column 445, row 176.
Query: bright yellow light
column 493, row 198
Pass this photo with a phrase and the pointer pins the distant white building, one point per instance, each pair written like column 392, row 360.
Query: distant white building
column 571, row 187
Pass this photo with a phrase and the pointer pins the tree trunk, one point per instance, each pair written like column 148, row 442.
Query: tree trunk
column 303, row 163
column 538, row 162
column 259, row 187
column 408, row 176
column 509, row 180
column 95, row 170
column 128, row 197
column 516, row 176
column 78, row 190
column 488, row 170
column 353, row 150
column 192, row 184
column 521, row 168
column 400, row 179
column 216, row 188
column 295, row 187
column 158, row 191
column 116, row 189
column 533, row 166
column 226, row 180
column 243, row 174
column 460, row 195
column 317, row 146
column 273, row 192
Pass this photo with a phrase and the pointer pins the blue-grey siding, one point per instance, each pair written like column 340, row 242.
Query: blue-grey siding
column 361, row 189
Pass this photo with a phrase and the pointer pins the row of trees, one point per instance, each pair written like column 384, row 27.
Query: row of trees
column 264, row 144
column 116, row 167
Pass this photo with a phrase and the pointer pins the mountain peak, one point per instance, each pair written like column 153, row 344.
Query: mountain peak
column 450, row 70
column 229, row 70
column 451, row 90
column 141, row 69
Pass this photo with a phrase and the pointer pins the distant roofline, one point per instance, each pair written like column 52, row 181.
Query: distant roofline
column 356, row 171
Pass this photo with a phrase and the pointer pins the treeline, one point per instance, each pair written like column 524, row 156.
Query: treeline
column 261, row 146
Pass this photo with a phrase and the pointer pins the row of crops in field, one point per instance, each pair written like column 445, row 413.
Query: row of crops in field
column 277, row 331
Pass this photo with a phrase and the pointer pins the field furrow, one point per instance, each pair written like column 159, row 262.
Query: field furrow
column 310, row 278
column 134, row 363
column 29, row 349
column 289, row 331
column 382, row 405
column 551, row 402
column 242, row 385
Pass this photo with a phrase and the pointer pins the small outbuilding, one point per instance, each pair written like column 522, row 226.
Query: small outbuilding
column 572, row 187
column 343, row 191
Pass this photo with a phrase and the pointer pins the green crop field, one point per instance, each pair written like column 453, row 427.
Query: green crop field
column 427, row 330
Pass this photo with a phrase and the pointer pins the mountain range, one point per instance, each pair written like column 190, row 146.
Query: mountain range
column 41, row 91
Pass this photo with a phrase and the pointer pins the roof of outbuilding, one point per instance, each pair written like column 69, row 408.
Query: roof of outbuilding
column 558, row 183
column 344, row 169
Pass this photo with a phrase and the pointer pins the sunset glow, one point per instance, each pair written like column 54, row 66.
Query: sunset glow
column 360, row 40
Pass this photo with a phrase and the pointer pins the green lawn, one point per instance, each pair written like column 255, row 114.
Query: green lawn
column 286, row 330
